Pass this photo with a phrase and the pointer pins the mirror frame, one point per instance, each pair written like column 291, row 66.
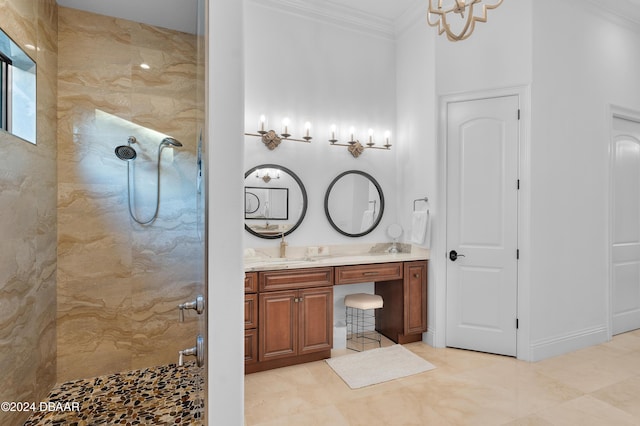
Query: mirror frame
column 380, row 194
column 304, row 200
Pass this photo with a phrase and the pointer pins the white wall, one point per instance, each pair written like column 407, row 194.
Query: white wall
column 496, row 57
column 576, row 65
column 417, row 127
column 225, row 178
column 582, row 63
column 313, row 69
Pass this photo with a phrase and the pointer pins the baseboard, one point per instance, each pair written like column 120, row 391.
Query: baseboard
column 547, row 348
column 429, row 338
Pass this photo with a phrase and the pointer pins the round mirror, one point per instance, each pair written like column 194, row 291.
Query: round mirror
column 354, row 203
column 275, row 201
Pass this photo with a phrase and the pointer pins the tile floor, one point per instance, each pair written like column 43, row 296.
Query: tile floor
column 596, row 386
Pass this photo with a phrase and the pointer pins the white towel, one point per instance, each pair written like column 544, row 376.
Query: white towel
column 367, row 220
column 419, row 226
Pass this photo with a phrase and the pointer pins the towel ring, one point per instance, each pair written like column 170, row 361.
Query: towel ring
column 425, row 199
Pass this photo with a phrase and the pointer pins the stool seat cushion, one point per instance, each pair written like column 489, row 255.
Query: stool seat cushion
column 363, row 301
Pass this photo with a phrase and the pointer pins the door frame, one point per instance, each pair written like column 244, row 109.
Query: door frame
column 439, row 258
column 613, row 112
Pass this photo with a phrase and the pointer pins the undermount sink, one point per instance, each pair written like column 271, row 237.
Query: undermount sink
column 276, row 260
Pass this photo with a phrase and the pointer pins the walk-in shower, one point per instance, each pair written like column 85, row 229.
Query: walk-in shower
column 128, row 153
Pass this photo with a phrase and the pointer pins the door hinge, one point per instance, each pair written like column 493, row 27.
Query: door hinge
column 518, row 114
column 518, row 184
column 518, row 254
column 517, row 323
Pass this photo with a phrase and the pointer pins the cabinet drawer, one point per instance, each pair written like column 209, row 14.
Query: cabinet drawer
column 368, row 273
column 250, row 311
column 295, row 278
column 250, row 282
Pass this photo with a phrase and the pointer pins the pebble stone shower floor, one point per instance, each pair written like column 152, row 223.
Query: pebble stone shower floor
column 164, row 395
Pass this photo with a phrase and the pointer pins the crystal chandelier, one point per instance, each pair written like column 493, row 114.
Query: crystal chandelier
column 457, row 18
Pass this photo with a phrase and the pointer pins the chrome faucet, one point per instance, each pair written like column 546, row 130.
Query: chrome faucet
column 197, row 305
column 283, row 247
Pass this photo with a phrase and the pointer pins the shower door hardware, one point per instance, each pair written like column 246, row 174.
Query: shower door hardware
column 454, row 255
column 197, row 305
column 197, row 351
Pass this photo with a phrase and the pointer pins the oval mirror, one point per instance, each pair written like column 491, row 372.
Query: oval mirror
column 354, row 203
column 275, row 201
column 394, row 231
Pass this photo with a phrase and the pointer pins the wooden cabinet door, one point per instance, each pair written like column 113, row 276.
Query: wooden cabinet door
column 250, row 311
column 278, row 325
column 415, row 297
column 315, row 309
column 250, row 346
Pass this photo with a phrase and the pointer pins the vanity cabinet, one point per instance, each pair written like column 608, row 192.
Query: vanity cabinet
column 403, row 318
column 250, row 318
column 289, row 312
column 415, row 297
column 295, row 322
column 295, row 317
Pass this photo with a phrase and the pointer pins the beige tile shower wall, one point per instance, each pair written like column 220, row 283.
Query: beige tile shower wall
column 119, row 283
column 28, row 222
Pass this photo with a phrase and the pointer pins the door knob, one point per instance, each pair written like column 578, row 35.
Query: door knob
column 453, row 255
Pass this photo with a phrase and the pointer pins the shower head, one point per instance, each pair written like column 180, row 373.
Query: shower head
column 170, row 141
column 126, row 153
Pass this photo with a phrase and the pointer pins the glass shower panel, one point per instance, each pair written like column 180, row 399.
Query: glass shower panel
column 200, row 387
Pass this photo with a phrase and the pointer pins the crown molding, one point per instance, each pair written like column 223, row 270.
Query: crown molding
column 415, row 14
column 614, row 16
column 335, row 14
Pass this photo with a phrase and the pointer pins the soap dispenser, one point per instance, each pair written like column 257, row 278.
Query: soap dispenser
column 283, row 247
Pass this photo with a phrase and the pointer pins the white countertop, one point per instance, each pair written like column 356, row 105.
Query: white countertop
column 267, row 260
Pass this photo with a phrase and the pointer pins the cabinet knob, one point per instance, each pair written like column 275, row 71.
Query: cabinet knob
column 416, row 275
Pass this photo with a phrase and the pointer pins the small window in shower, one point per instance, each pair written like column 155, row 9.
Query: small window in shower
column 17, row 90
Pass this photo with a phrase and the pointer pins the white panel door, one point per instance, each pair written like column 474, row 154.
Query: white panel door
column 625, row 250
column 482, row 215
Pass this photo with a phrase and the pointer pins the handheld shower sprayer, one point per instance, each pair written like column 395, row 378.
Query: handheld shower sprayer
column 127, row 153
column 170, row 141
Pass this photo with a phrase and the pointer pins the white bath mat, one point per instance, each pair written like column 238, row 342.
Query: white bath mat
column 378, row 365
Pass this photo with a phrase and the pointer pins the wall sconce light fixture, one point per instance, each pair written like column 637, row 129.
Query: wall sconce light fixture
column 272, row 139
column 463, row 14
column 354, row 146
column 266, row 175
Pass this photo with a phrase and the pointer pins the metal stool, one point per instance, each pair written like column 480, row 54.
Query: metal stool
column 361, row 320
